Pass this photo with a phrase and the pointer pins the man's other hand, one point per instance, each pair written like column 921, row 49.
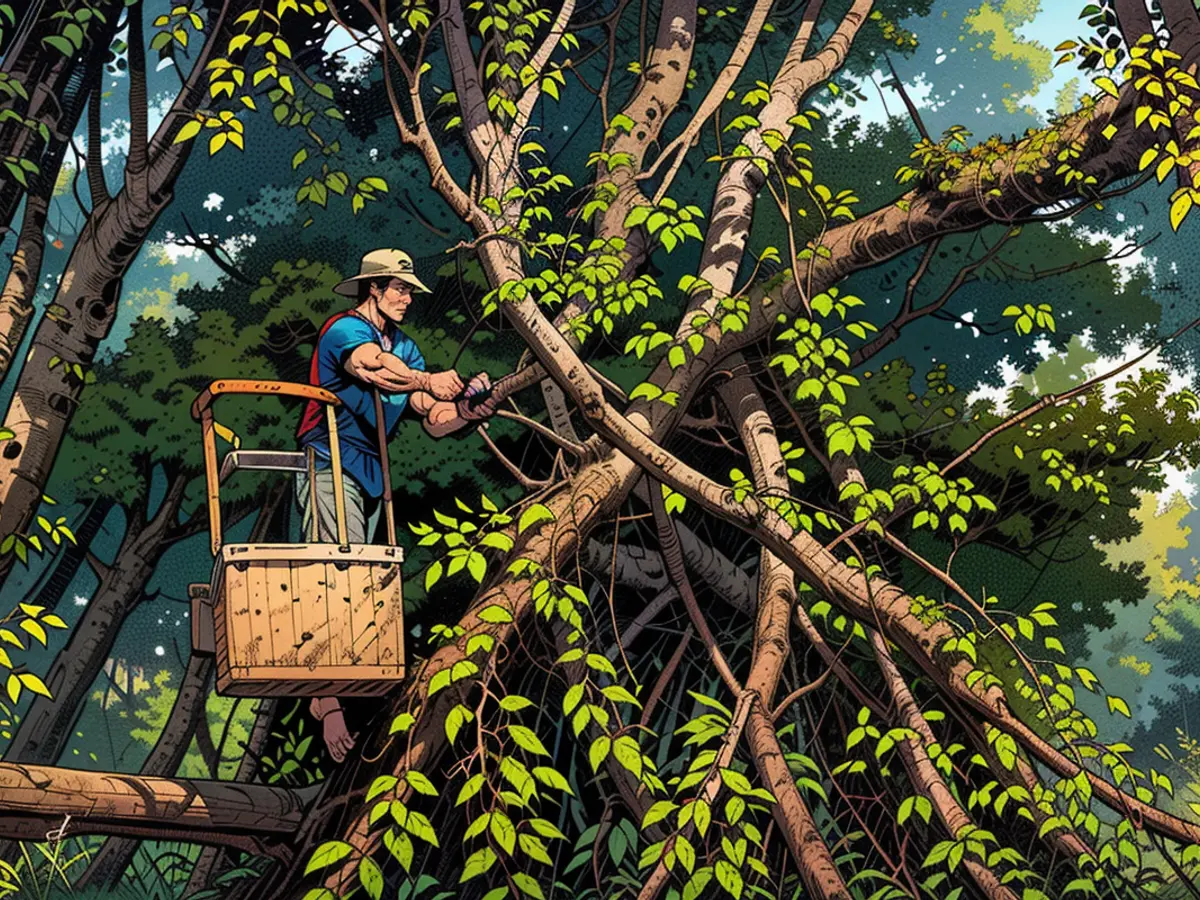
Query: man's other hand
column 445, row 385
column 471, row 409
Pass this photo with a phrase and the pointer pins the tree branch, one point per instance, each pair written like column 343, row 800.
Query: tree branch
column 137, row 164
column 212, row 250
column 677, row 150
column 672, row 556
column 95, row 165
column 538, row 62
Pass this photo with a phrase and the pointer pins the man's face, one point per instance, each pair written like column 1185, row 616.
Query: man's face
column 394, row 300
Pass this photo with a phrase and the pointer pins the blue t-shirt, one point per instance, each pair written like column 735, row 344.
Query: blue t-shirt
column 356, row 416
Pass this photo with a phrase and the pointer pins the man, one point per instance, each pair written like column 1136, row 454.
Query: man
column 358, row 352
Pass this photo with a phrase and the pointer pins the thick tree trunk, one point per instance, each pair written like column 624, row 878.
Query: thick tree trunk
column 113, row 858
column 44, row 731
column 16, row 297
column 79, row 319
column 1183, row 22
column 35, row 799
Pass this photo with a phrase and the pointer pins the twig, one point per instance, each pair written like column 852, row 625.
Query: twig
column 525, row 481
column 577, row 450
column 1055, row 399
column 803, row 690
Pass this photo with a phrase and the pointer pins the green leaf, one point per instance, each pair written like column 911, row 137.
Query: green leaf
column 469, row 789
column 495, row 615
column 533, row 515
column 326, row 855
column 504, row 832
column 477, row 863
column 433, row 574
column 421, row 784
column 1116, row 704
column 528, row 885
column 659, row 811
column 526, row 739
column 371, row 877
column 729, row 878
column 61, row 44
column 554, row 779
column 598, row 752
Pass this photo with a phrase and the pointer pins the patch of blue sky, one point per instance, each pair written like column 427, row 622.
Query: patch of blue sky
column 1054, row 22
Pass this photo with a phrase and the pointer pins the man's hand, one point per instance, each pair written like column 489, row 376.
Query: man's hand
column 472, row 411
column 445, row 385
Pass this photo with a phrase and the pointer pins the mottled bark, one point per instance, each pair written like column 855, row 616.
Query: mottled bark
column 776, row 599
column 16, row 297
column 735, row 196
column 654, row 100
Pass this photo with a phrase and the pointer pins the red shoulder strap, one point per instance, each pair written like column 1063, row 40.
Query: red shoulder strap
column 313, row 410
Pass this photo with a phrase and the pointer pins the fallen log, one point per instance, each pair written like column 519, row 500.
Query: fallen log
column 38, row 803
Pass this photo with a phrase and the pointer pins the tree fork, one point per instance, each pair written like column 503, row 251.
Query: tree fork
column 884, row 605
column 863, row 247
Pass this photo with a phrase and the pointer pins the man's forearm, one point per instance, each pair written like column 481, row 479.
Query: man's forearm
column 386, row 370
column 443, row 419
column 399, row 373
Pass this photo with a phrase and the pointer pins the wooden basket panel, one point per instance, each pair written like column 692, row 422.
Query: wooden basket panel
column 308, row 620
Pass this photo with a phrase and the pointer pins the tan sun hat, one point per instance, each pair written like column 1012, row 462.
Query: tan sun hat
column 384, row 263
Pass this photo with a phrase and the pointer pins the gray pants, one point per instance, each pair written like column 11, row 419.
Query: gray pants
column 362, row 512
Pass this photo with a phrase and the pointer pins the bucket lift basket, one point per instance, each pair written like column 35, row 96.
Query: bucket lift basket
column 291, row 620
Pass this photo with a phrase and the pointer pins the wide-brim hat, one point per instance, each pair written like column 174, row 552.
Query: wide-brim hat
column 384, row 263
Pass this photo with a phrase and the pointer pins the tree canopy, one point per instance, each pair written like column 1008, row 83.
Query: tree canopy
column 826, row 544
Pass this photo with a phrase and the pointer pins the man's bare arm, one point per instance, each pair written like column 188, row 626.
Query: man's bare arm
column 372, row 364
